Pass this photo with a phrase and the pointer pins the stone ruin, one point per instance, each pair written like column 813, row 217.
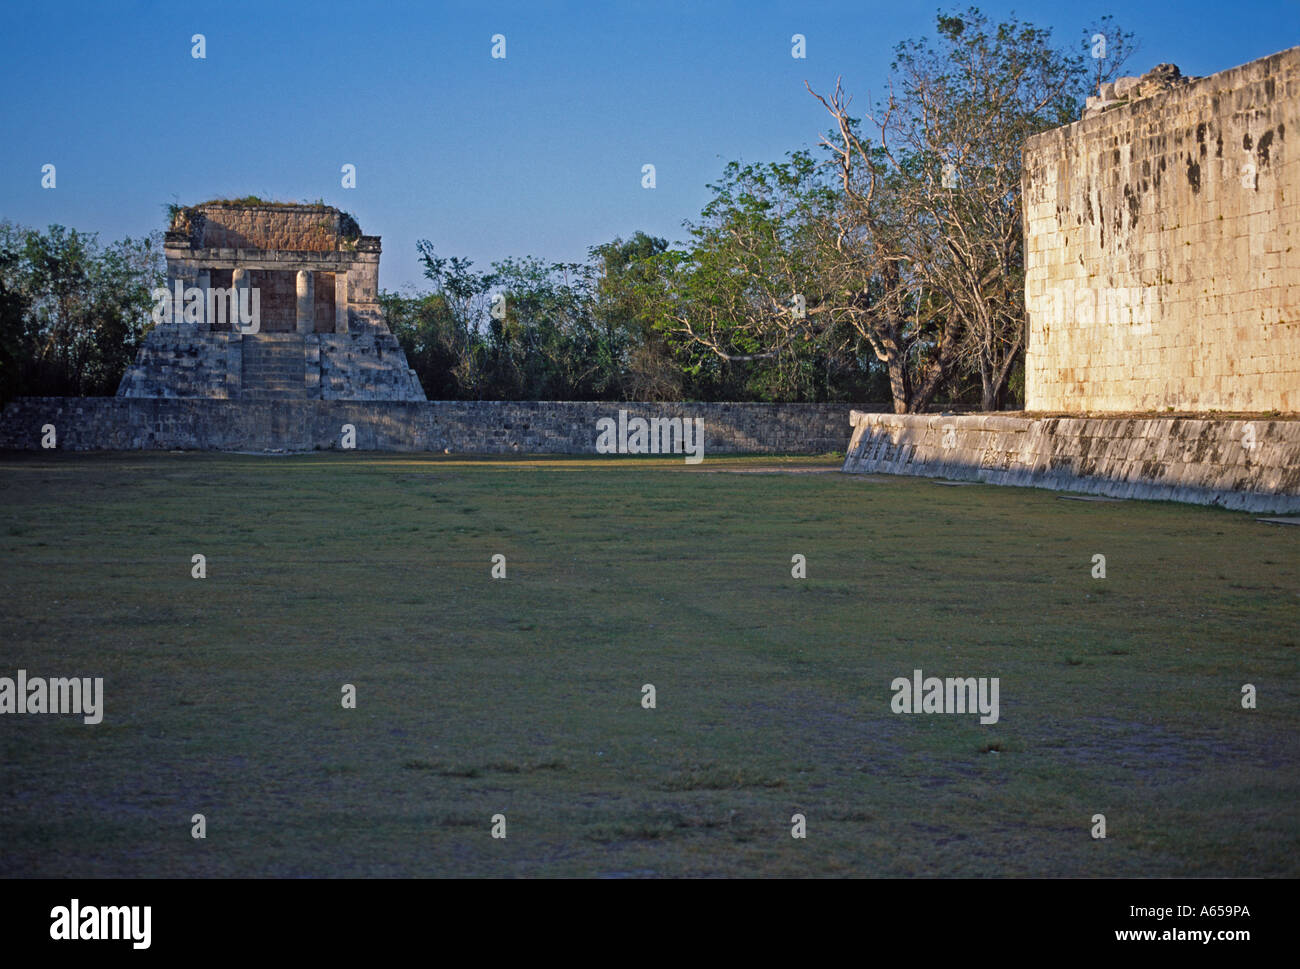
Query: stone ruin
column 1162, row 277
column 1122, row 90
column 319, row 332
column 1162, row 247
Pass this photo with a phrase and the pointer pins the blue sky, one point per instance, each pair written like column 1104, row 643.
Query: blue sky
column 539, row 153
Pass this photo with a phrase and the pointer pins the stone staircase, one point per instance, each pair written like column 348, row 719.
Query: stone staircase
column 273, row 366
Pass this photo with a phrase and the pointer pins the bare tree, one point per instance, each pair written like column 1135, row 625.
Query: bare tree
column 949, row 137
column 1109, row 48
column 909, row 235
column 873, row 247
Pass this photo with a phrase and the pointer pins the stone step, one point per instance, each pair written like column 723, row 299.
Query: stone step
column 274, row 366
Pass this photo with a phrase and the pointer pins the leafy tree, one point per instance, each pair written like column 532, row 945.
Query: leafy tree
column 83, row 309
column 905, row 245
column 527, row 329
column 630, row 284
column 14, row 303
column 746, row 305
column 436, row 347
column 935, row 192
column 543, row 341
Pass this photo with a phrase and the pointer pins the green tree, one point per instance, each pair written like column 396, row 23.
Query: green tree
column 83, row 308
column 543, row 340
column 746, row 307
column 629, row 285
column 14, row 345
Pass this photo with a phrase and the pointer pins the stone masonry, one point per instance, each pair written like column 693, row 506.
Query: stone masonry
column 1162, row 246
column 320, row 332
column 1243, row 465
column 461, row 427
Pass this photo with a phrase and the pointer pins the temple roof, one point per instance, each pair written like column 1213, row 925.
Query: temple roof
column 252, row 223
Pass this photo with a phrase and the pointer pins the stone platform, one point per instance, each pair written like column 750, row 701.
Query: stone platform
column 307, row 280
column 177, row 362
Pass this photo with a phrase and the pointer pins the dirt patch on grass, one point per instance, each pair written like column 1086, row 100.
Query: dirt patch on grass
column 1151, row 750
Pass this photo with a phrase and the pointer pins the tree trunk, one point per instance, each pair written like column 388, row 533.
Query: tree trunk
column 994, row 381
column 988, row 389
column 937, row 373
column 898, row 382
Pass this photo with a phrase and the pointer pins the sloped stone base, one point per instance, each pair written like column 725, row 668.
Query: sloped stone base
column 178, row 362
column 1248, row 465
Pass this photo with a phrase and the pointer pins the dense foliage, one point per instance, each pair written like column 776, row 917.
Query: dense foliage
column 72, row 311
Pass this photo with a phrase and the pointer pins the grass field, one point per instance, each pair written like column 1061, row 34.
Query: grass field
column 522, row 696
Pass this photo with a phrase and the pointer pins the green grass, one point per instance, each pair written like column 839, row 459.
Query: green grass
column 522, row 697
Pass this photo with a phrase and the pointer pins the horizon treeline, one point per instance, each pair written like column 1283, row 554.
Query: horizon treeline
column 884, row 266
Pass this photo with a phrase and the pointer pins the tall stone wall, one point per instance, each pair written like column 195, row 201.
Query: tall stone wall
column 464, row 427
column 1162, row 250
column 1247, row 465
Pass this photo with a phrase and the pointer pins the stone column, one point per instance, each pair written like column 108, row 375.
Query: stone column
column 238, row 281
column 188, row 277
column 205, row 284
column 306, row 299
column 176, row 305
column 364, row 284
column 341, row 301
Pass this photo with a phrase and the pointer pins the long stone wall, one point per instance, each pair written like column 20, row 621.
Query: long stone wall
column 1162, row 250
column 463, row 427
column 1249, row 465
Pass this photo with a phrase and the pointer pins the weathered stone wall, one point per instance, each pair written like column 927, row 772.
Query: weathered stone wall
column 1162, row 250
column 1252, row 465
column 278, row 300
column 363, row 289
column 365, row 366
column 268, row 226
column 176, row 361
column 466, row 427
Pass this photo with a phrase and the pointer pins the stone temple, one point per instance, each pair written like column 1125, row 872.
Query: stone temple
column 320, row 334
